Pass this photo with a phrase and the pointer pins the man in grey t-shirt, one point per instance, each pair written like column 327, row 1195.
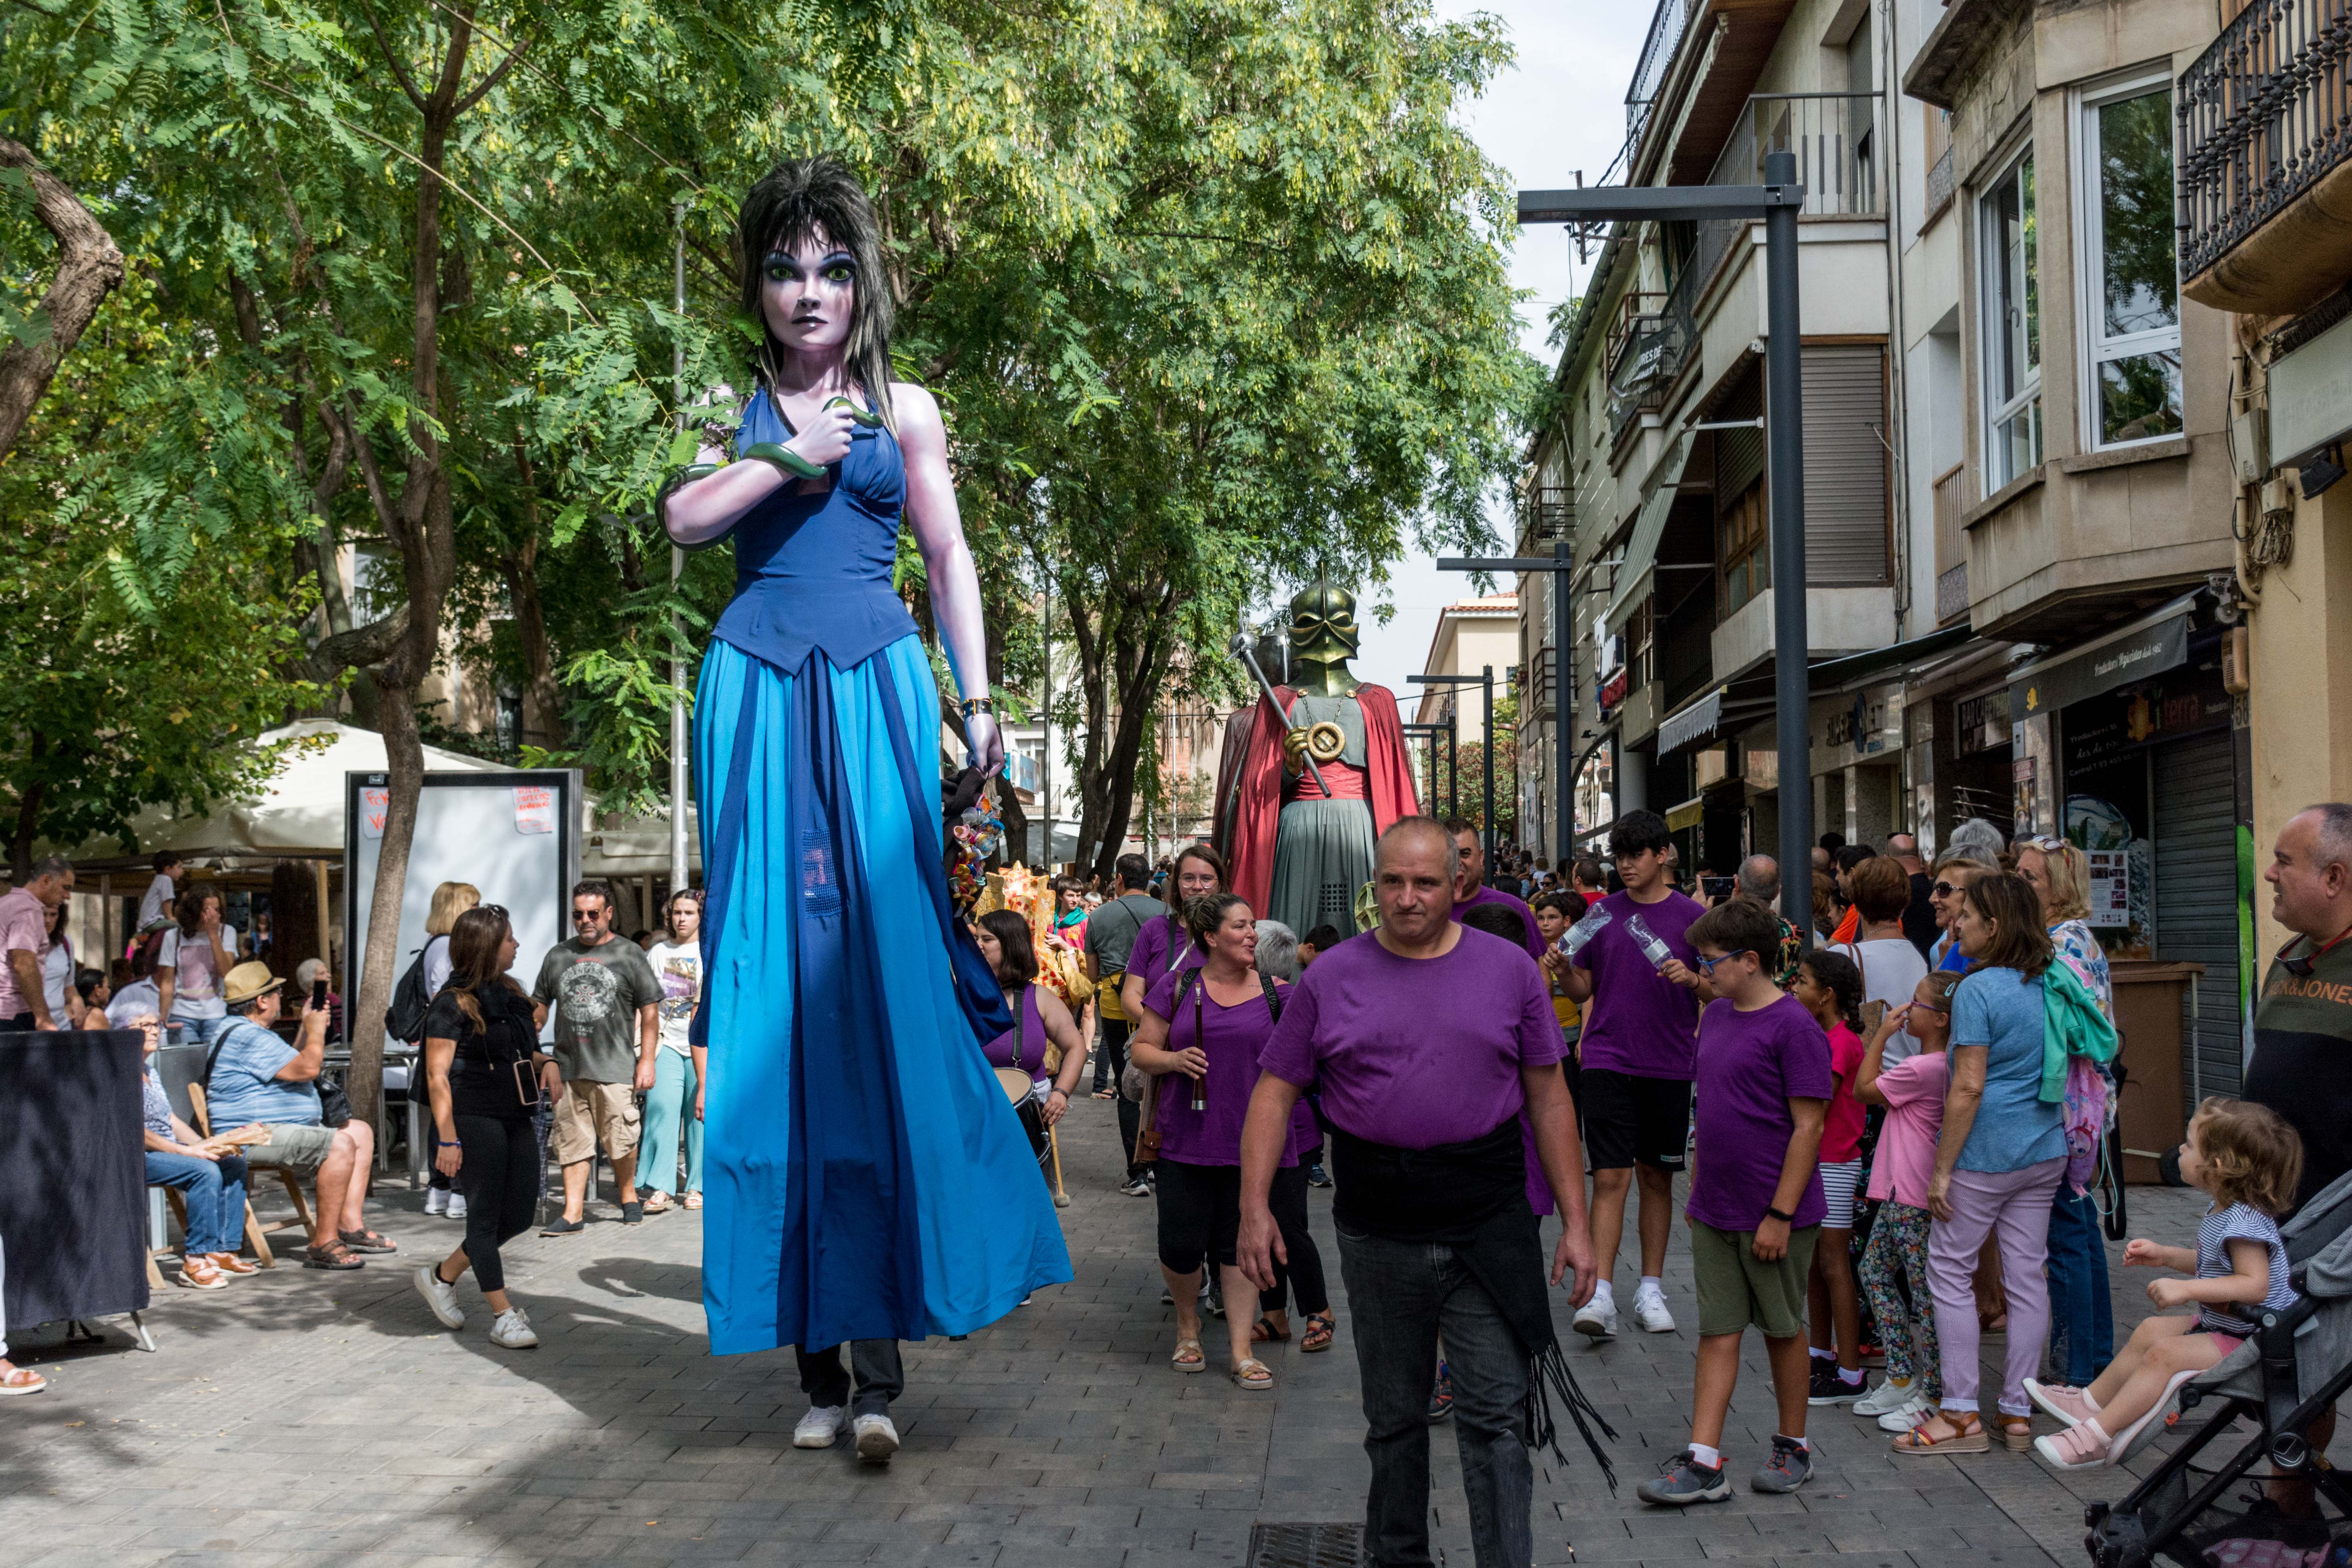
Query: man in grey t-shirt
column 1111, row 931
column 607, row 1006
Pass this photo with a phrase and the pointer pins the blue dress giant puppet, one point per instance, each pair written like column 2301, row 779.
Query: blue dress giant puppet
column 867, row 1181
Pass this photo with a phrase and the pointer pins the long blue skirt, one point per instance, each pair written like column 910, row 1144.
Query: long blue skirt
column 864, row 1176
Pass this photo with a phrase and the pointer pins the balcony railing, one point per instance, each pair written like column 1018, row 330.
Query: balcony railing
column 1547, row 513
column 2265, row 112
column 1667, row 23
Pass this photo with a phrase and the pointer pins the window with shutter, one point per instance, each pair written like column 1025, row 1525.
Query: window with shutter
column 1847, row 526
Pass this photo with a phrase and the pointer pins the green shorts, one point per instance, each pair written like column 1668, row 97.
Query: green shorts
column 1735, row 1288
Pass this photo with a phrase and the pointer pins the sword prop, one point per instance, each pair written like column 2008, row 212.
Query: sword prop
column 1242, row 650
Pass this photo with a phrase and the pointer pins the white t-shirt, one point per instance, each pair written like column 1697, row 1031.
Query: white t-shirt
column 437, row 965
column 197, row 992
column 1891, row 971
column 152, row 902
column 135, row 1001
column 679, row 967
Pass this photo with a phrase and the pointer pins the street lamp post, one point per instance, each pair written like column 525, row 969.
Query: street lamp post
column 1486, row 680
column 1563, row 735
column 1777, row 202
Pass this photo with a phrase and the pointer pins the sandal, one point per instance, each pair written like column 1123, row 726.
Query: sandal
column 1320, row 1327
column 2017, row 1433
column 332, row 1255
column 657, row 1203
column 693, row 1200
column 1262, row 1332
column 1967, row 1435
column 1188, row 1357
column 22, row 1380
column 1255, row 1376
column 367, row 1241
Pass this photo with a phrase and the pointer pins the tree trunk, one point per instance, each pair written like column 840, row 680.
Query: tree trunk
column 405, row 759
column 542, row 711
column 90, row 268
column 28, row 820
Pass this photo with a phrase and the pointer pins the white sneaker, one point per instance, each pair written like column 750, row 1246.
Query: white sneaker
column 436, row 1200
column 1650, row 1311
column 1906, row 1415
column 820, row 1428
column 512, row 1331
column 876, row 1439
column 455, row 1208
column 441, row 1296
column 1889, row 1395
column 1597, row 1318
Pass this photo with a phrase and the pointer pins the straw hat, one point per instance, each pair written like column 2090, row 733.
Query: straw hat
column 248, row 981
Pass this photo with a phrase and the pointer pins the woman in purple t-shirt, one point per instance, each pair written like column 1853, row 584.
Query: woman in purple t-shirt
column 1044, row 1025
column 1200, row 1039
column 1163, row 944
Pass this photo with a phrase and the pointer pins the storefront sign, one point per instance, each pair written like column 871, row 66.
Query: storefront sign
column 2110, row 886
column 1982, row 723
column 1613, row 689
column 2186, row 702
column 2141, row 656
column 2311, row 395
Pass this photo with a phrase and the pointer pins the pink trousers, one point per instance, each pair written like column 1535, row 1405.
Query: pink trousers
column 2015, row 1207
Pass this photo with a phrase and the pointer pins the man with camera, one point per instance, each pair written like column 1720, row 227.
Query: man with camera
column 252, row 1075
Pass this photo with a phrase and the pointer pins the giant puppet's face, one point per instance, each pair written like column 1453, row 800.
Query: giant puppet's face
column 807, row 291
column 1323, row 638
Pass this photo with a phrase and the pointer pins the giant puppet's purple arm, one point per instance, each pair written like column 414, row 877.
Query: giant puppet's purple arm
column 955, row 582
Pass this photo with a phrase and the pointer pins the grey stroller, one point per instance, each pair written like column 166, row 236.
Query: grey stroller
column 2281, row 1380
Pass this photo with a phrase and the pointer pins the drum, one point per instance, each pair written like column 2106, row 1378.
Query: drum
column 1017, row 1085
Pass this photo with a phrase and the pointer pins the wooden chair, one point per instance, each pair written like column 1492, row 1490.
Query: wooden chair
column 255, row 1238
column 253, row 1230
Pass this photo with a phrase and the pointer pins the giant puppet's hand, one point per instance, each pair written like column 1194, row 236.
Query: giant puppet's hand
column 955, row 583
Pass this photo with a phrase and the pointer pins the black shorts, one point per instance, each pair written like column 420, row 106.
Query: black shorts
column 1633, row 1120
column 1199, row 1214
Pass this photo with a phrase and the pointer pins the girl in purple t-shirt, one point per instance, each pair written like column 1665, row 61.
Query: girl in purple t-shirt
column 1200, row 1037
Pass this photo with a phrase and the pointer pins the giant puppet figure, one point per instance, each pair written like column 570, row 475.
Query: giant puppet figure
column 867, row 1181
column 1297, row 854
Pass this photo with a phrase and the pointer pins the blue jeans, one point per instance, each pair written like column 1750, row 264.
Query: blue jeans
column 1401, row 1295
column 215, row 1198
column 196, row 1031
column 671, row 1102
column 2082, row 1315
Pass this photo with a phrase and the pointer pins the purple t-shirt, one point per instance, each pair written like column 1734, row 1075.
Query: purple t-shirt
column 1025, row 1045
column 1486, row 895
column 1150, row 956
column 1232, row 1037
column 1750, row 1065
column 1414, row 1052
column 1637, row 1022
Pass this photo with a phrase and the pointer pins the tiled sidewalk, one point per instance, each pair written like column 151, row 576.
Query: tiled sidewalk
column 305, row 1418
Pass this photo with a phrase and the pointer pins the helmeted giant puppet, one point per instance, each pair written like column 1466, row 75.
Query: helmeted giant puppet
column 867, row 1179
column 1297, row 854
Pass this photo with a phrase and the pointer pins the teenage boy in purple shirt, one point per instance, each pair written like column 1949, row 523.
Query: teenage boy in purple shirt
column 1756, row 1204
column 1635, row 1083
column 1428, row 1039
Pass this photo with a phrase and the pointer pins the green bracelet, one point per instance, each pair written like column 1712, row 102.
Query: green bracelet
column 790, row 462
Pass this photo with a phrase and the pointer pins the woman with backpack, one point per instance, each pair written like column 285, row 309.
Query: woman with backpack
column 1201, row 1033
column 450, row 900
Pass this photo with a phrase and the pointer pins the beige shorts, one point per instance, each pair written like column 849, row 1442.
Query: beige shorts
column 293, row 1146
column 588, row 1113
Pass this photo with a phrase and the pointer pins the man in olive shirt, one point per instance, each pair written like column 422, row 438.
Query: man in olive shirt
column 1111, row 931
column 2301, row 1066
column 607, row 1025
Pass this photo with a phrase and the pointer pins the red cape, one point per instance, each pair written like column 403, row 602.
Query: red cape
column 1249, row 786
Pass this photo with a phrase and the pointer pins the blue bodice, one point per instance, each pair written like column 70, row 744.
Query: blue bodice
column 814, row 570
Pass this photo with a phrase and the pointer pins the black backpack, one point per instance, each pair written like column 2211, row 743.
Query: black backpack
column 404, row 1019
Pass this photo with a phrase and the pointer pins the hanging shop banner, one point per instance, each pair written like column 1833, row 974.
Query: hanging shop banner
column 2137, row 655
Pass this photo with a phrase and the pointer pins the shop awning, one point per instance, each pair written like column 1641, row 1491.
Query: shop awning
column 1687, row 815
column 1734, row 704
column 2149, row 646
column 1638, row 572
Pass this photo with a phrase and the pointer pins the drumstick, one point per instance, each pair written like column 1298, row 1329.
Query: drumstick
column 1054, row 1147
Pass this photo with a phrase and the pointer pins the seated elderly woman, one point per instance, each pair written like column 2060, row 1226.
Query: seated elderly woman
column 211, row 1172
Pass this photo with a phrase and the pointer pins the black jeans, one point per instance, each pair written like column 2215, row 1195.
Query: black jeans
column 501, row 1180
column 1112, row 1060
column 881, row 1376
column 1304, row 1272
column 1401, row 1295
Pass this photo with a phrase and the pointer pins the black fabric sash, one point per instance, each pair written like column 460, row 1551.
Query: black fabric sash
column 1473, row 1196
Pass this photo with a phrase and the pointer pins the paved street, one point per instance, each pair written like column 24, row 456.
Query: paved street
column 305, row 1418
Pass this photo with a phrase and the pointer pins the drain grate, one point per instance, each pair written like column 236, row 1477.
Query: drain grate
column 1307, row 1546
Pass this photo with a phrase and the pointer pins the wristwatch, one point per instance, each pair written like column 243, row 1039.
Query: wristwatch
column 1771, row 1213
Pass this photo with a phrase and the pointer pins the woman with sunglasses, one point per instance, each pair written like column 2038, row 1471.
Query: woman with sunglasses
column 485, row 1076
column 2082, row 1314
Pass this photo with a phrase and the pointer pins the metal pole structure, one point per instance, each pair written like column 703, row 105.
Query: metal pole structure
column 1045, row 712
column 1563, row 717
column 1487, row 773
column 679, row 740
column 1785, row 459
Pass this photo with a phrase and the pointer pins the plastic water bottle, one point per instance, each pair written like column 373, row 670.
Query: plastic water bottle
column 1653, row 946
column 1574, row 940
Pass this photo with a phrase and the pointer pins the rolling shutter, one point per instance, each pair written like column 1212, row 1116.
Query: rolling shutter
column 1846, row 465
column 2197, row 896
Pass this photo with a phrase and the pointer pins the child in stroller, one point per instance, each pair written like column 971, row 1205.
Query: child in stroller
column 2248, row 1159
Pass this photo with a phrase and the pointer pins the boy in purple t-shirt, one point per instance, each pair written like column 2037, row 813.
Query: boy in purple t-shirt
column 1634, row 1088
column 1756, row 1204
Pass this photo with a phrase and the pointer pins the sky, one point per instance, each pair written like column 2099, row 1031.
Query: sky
column 1559, row 108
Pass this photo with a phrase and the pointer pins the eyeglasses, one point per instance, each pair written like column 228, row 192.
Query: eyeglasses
column 1706, row 965
column 497, row 909
column 2047, row 844
column 588, row 917
column 1948, row 890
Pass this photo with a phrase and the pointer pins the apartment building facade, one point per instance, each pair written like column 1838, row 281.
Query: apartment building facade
column 2018, row 462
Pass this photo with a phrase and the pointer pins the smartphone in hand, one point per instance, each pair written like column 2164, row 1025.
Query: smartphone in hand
column 318, row 995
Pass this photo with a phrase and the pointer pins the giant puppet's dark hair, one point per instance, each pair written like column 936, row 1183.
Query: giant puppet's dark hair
column 808, row 198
